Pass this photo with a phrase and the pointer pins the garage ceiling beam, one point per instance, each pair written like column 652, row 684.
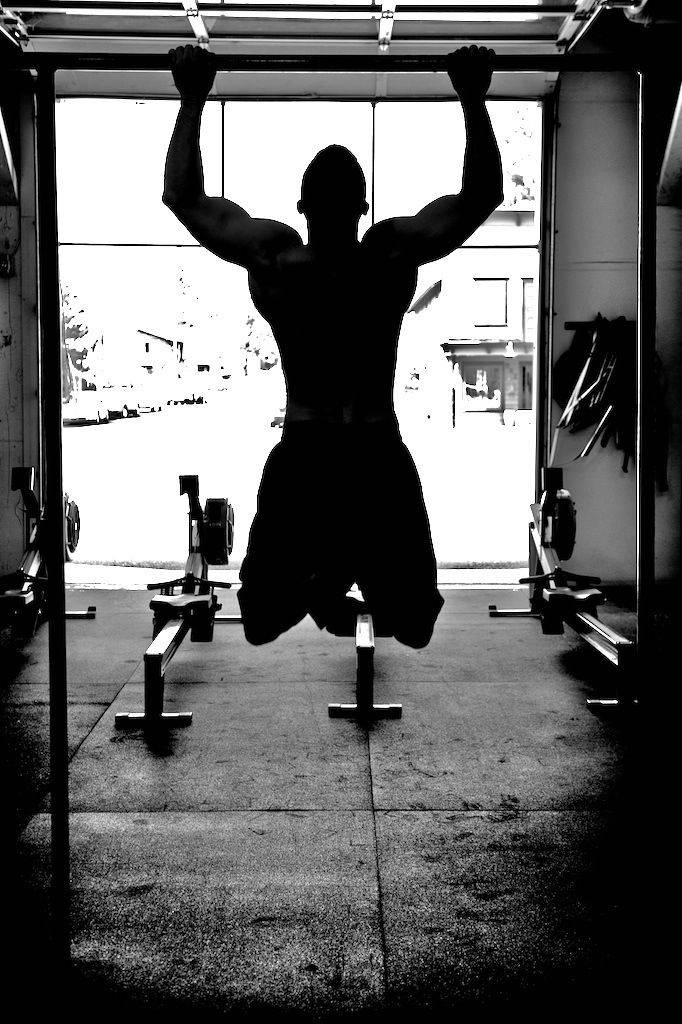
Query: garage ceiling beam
column 91, row 7
column 80, row 24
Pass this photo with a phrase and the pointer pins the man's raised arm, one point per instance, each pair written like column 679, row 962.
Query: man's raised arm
column 442, row 226
column 220, row 225
column 470, row 74
column 193, row 72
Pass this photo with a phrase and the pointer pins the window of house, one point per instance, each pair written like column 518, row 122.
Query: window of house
column 490, row 301
column 529, row 312
column 526, row 395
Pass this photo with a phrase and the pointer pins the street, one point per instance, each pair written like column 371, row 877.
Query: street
column 477, row 480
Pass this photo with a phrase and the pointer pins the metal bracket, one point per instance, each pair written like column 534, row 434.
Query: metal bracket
column 12, row 27
column 196, row 22
column 386, row 22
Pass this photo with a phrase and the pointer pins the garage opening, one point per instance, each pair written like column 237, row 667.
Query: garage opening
column 169, row 369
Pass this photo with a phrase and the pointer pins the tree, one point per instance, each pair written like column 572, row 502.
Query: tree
column 77, row 340
column 516, row 127
column 259, row 344
column 188, row 300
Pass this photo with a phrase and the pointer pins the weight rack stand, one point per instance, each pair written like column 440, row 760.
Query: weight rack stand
column 609, row 644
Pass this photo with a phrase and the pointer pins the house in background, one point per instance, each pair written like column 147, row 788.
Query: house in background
column 188, row 369
column 493, row 366
column 159, row 353
column 480, row 313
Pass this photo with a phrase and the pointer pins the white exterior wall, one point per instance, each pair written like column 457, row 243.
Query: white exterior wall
column 595, row 271
column 19, row 402
column 669, row 346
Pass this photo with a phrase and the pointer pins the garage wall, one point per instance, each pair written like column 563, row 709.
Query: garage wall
column 595, row 271
column 669, row 346
column 19, row 403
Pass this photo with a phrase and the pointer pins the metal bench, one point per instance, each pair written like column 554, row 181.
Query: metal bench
column 364, row 709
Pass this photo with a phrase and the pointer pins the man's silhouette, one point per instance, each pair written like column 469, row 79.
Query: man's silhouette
column 340, row 500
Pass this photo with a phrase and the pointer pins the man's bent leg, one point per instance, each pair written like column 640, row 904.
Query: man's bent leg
column 403, row 610
column 330, row 605
column 268, row 609
column 399, row 572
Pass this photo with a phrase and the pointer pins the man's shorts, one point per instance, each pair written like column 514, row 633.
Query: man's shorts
column 339, row 505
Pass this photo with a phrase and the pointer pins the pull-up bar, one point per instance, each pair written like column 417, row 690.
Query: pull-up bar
column 332, row 63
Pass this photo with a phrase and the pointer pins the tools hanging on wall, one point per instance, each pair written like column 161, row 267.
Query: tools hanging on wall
column 595, row 383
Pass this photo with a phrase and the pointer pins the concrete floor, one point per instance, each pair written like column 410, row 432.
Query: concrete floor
column 475, row 856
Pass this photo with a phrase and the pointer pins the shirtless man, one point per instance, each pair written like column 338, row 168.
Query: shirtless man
column 340, row 500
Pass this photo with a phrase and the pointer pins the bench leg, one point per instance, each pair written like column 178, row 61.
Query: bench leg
column 156, row 660
column 627, row 683
column 364, row 709
column 511, row 613
column 534, row 610
column 90, row 613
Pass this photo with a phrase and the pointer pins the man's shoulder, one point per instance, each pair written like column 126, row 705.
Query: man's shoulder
column 277, row 244
column 386, row 239
column 277, row 237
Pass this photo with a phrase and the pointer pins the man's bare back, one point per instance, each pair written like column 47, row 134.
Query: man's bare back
column 336, row 320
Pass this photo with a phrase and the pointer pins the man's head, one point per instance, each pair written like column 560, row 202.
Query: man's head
column 333, row 186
